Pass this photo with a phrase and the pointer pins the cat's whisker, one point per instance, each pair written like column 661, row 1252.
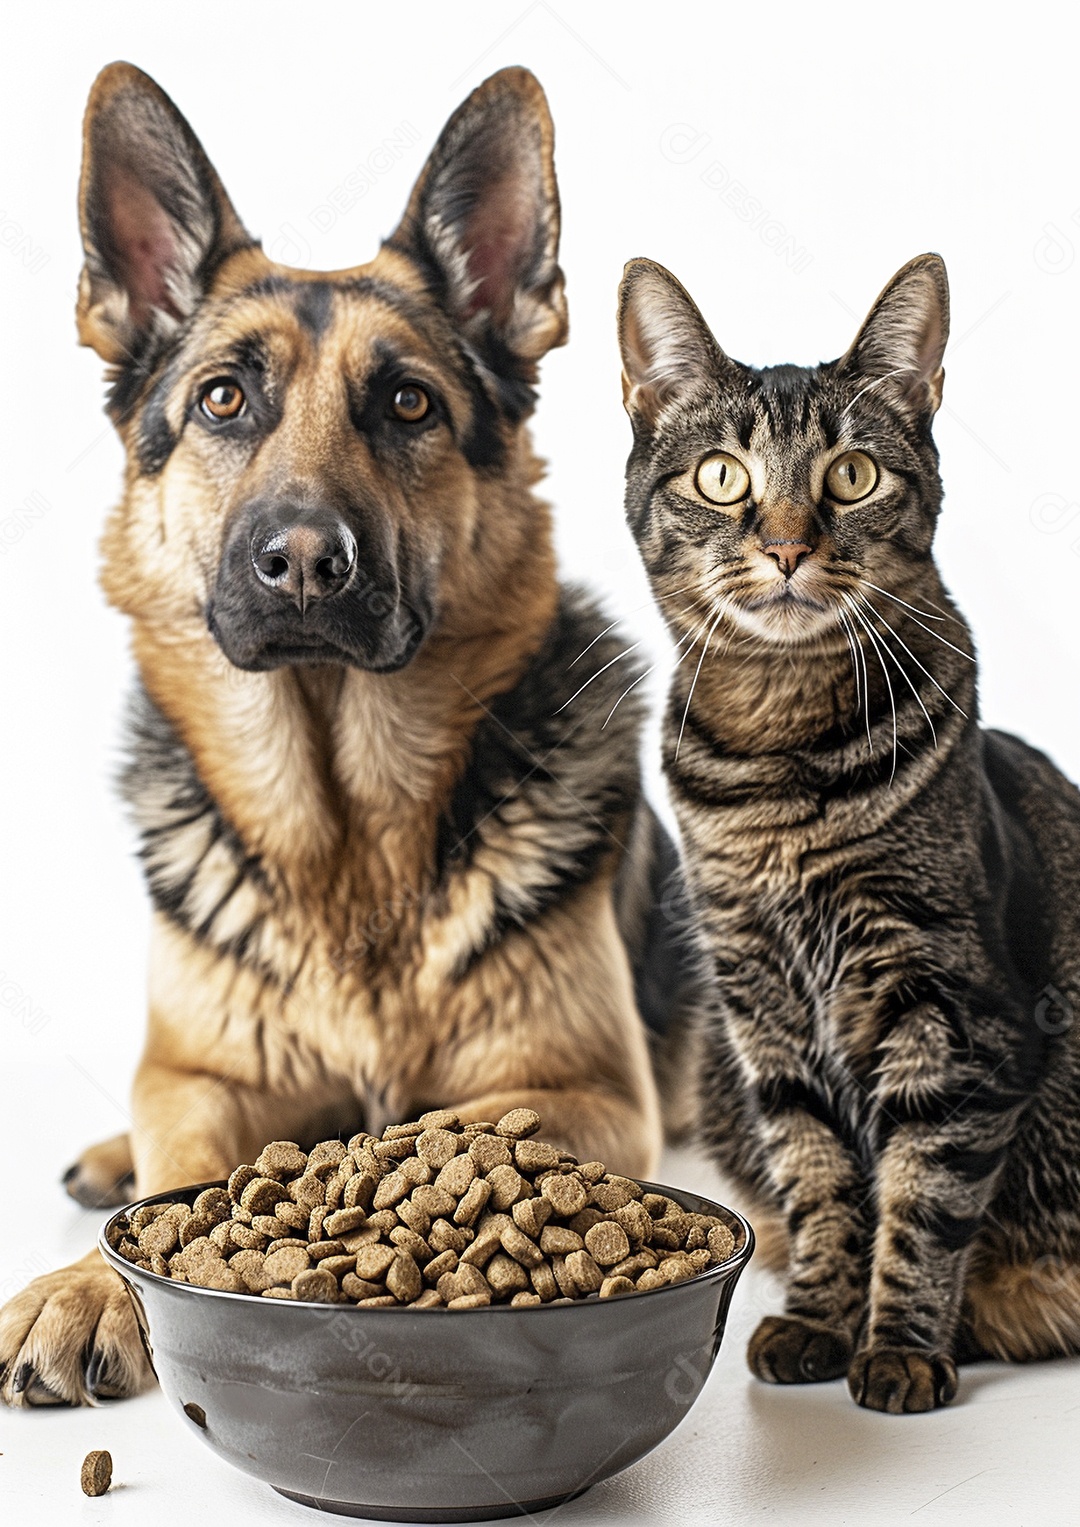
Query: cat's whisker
column 929, row 631
column 656, row 599
column 906, row 676
column 865, row 685
column 853, row 607
column 651, row 668
column 843, row 624
column 697, row 674
column 878, row 615
column 941, row 614
column 625, row 653
column 897, row 600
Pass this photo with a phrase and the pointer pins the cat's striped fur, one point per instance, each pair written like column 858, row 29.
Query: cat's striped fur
column 889, row 895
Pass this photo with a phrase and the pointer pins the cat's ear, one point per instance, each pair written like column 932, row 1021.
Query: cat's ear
column 483, row 222
column 155, row 219
column 904, row 337
column 667, row 347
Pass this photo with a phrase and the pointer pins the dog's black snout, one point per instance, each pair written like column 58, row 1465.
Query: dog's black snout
column 309, row 559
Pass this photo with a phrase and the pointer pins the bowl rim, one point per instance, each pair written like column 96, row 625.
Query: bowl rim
column 125, row 1269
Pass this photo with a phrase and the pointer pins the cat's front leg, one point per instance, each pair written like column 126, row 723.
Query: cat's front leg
column 822, row 1194
column 935, row 1179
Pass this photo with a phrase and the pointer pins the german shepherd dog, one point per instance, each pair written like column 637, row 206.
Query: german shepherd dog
column 396, row 859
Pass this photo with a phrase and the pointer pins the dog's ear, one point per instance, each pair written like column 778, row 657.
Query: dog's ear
column 155, row 219
column 483, row 223
column 668, row 350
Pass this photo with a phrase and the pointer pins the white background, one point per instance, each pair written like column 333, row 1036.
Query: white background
column 848, row 139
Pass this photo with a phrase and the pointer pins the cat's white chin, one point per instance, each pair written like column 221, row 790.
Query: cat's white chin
column 786, row 621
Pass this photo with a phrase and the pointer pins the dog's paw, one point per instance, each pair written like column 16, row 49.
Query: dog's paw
column 902, row 1380
column 71, row 1338
column 104, row 1175
column 791, row 1349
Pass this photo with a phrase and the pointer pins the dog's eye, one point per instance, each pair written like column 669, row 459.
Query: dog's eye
column 411, row 403
column 223, row 399
column 851, row 477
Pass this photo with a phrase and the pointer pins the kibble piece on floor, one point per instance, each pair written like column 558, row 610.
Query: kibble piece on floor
column 96, row 1474
column 434, row 1214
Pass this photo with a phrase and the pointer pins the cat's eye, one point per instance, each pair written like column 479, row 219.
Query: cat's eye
column 223, row 399
column 722, row 479
column 851, row 477
column 411, row 403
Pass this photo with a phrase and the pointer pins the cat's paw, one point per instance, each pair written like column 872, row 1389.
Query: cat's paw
column 902, row 1380
column 791, row 1349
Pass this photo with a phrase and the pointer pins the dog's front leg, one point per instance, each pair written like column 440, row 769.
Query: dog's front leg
column 70, row 1336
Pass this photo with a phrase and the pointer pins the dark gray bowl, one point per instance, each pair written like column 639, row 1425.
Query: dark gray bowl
column 434, row 1415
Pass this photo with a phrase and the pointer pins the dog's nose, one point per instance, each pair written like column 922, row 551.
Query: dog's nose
column 311, row 559
column 787, row 554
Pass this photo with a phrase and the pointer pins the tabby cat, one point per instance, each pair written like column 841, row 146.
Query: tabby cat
column 889, row 895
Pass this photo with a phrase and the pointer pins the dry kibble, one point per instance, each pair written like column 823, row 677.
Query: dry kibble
column 281, row 1159
column 320, row 1251
column 415, row 1171
column 446, row 1237
column 435, row 1202
column 457, row 1175
column 566, row 1193
column 535, row 1156
column 473, row 1201
column 435, row 1214
column 284, row 1265
column 507, row 1187
column 518, row 1123
column 721, row 1243
column 505, row 1275
column 438, row 1147
column 445, row 1262
column 608, row 1196
column 342, row 1221
column 558, row 1241
column 262, row 1195
column 488, row 1151
column 316, row 1286
column 543, row 1281
column 373, row 1261
column 307, row 1190
column 531, row 1215
column 518, row 1245
column 293, row 1216
column 403, row 1278
column 584, row 1271
column 391, row 1190
column 359, row 1289
column 439, row 1118
column 607, row 1244
column 327, row 1152
column 95, row 1477
column 412, row 1215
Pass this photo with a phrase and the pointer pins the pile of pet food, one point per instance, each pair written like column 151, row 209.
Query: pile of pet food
column 435, row 1213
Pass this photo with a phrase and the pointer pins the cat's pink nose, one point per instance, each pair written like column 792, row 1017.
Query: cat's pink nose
column 787, row 554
